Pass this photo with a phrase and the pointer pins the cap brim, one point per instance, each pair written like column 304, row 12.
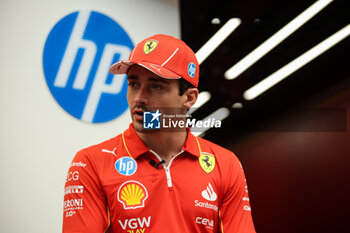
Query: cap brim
column 122, row 67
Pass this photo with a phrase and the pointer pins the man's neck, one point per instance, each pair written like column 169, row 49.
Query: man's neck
column 165, row 144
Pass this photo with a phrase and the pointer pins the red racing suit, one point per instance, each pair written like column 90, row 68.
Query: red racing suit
column 119, row 186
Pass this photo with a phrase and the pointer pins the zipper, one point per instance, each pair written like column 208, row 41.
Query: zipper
column 167, row 168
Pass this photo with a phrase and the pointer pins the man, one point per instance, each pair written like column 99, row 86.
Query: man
column 157, row 180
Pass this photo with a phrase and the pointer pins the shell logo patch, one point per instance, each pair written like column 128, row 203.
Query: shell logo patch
column 150, row 46
column 207, row 162
column 132, row 194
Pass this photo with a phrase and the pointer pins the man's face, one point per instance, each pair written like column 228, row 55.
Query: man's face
column 149, row 92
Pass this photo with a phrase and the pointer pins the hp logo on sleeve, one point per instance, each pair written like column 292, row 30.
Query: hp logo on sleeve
column 77, row 55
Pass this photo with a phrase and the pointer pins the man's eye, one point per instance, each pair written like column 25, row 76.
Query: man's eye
column 132, row 84
column 157, row 87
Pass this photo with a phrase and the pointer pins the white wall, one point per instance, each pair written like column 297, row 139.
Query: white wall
column 38, row 138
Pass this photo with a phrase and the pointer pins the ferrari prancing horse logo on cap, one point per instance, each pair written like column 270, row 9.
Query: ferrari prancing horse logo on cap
column 150, row 46
column 207, row 162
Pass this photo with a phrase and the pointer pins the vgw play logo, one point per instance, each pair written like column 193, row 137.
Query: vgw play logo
column 77, row 55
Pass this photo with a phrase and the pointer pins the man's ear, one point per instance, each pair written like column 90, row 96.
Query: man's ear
column 189, row 98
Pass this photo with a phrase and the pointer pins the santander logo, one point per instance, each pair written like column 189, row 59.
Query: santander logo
column 209, row 193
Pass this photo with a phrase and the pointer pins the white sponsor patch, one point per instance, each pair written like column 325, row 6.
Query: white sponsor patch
column 73, row 204
column 136, row 223
column 209, row 193
column 73, row 189
column 247, row 208
column 72, row 175
column 77, row 164
column 205, row 205
column 208, row 223
column 110, row 151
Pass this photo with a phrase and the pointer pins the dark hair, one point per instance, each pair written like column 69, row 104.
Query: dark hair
column 184, row 86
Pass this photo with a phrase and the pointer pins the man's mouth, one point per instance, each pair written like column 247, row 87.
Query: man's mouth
column 138, row 114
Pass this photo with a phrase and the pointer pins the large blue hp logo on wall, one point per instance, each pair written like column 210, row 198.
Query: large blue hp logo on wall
column 77, row 55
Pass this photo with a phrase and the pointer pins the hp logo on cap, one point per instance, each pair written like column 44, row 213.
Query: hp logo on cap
column 77, row 55
column 191, row 69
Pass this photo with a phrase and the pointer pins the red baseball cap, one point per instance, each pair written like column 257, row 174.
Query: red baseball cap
column 164, row 55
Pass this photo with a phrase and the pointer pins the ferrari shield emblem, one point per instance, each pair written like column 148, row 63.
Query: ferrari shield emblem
column 150, row 46
column 207, row 162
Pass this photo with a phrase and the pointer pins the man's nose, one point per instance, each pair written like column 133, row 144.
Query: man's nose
column 142, row 96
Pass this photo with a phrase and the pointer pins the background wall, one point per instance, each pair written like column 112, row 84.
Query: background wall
column 293, row 139
column 298, row 180
column 38, row 138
